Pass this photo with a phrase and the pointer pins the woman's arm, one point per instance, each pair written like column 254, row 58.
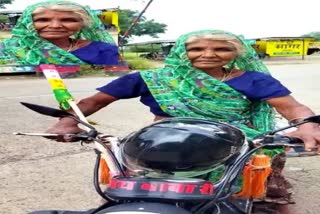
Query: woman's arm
column 95, row 102
column 291, row 109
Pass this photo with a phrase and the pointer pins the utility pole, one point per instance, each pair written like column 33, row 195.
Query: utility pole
column 133, row 23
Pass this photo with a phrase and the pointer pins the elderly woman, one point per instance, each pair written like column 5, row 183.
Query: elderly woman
column 58, row 32
column 213, row 75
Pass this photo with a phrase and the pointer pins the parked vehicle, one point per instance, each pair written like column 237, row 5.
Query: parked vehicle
column 162, row 168
column 154, row 56
column 285, row 46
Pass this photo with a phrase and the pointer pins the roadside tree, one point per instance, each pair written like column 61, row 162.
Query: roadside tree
column 141, row 28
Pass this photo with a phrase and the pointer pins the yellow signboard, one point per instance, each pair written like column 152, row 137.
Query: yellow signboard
column 289, row 47
column 314, row 44
column 280, row 48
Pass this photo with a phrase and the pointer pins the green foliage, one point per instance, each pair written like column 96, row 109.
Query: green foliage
column 4, row 18
column 3, row 2
column 133, row 60
column 130, row 55
column 3, row 62
column 142, row 27
column 90, row 70
column 137, row 63
column 145, row 48
column 149, row 27
column 316, row 35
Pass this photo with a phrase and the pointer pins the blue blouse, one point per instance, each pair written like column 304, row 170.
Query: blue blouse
column 254, row 85
column 98, row 53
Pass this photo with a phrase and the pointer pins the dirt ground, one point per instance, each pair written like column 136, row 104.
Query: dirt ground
column 41, row 174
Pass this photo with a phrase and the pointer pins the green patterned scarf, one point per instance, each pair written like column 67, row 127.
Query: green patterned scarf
column 183, row 91
column 25, row 47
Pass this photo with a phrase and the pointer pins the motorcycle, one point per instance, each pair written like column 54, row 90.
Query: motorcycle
column 148, row 178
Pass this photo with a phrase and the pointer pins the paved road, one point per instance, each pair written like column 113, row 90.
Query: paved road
column 42, row 174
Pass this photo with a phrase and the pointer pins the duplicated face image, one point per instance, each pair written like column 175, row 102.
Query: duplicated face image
column 52, row 24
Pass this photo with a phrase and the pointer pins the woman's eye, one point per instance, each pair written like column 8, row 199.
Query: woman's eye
column 195, row 49
column 62, row 20
column 224, row 49
column 41, row 20
column 70, row 20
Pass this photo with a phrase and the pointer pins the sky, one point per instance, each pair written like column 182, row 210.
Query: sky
column 250, row 18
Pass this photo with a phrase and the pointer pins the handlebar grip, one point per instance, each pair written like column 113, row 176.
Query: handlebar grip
column 292, row 140
column 282, row 141
column 298, row 150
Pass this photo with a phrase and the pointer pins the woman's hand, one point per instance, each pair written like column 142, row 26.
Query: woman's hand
column 310, row 136
column 291, row 109
column 65, row 126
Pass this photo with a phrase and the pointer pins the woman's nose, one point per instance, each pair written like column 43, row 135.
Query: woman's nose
column 209, row 53
column 55, row 24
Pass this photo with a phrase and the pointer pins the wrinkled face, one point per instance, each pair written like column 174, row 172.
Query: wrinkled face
column 52, row 24
column 208, row 54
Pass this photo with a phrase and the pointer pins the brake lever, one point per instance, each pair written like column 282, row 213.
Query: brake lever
column 284, row 145
column 300, row 152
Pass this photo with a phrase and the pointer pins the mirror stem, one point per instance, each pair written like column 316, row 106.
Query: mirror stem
column 81, row 122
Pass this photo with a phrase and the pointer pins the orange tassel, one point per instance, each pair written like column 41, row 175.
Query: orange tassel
column 246, row 182
column 262, row 164
column 255, row 175
column 104, row 172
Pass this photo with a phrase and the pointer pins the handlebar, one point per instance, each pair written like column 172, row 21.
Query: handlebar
column 83, row 136
column 295, row 145
column 272, row 141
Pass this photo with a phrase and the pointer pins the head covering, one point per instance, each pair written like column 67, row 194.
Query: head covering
column 247, row 61
column 182, row 90
column 25, row 47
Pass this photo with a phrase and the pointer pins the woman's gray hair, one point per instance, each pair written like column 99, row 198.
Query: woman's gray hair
column 236, row 43
column 78, row 10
